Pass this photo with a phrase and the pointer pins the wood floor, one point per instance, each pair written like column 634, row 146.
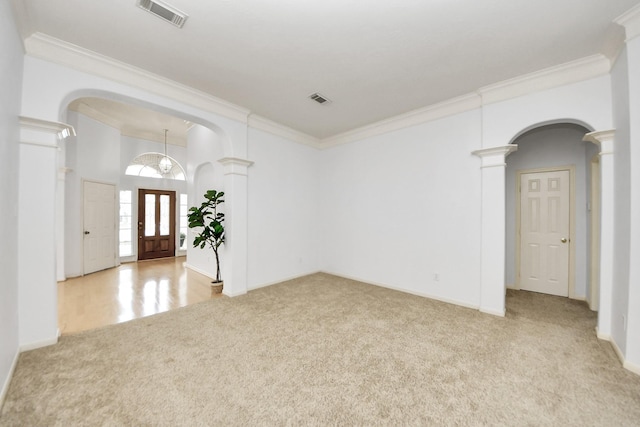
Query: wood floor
column 128, row 292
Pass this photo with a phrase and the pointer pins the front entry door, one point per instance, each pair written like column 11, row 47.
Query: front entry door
column 99, row 223
column 156, row 224
column 544, row 232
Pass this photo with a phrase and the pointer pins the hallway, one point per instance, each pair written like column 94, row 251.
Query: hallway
column 127, row 292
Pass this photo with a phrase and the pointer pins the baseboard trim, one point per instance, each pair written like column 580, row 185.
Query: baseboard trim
column 629, row 366
column 617, row 350
column 230, row 295
column 198, row 270
column 5, row 386
column 632, row 367
column 493, row 312
column 264, row 285
column 600, row 335
column 38, row 344
column 407, row 291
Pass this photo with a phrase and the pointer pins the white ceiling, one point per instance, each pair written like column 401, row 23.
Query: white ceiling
column 373, row 58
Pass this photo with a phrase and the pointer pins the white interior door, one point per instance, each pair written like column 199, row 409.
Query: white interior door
column 99, row 226
column 545, row 232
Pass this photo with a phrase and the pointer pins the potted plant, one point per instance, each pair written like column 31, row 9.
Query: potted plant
column 208, row 221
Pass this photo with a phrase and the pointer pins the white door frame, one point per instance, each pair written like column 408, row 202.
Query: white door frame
column 572, row 221
column 115, row 216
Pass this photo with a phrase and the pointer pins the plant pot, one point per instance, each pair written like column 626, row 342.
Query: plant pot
column 216, row 287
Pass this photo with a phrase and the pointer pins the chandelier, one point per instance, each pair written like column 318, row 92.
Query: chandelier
column 165, row 164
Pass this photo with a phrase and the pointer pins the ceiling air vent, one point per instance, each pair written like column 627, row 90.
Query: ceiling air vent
column 320, row 99
column 164, row 11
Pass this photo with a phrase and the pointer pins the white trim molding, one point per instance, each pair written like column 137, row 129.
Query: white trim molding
column 495, row 156
column 235, row 166
column 60, row 52
column 630, row 20
column 422, row 115
column 603, row 139
column 199, row 270
column 407, row 291
column 57, row 51
column 548, row 78
column 7, row 382
column 261, row 123
column 43, row 132
column 631, row 367
column 40, row 344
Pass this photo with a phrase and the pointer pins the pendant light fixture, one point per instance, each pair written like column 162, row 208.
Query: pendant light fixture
column 165, row 164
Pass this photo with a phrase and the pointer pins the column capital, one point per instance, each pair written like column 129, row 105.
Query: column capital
column 43, row 132
column 495, row 156
column 235, row 166
column 603, row 139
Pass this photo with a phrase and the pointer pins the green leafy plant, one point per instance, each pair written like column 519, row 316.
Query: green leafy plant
column 210, row 221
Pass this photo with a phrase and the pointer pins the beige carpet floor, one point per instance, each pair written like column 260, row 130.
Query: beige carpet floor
column 328, row 351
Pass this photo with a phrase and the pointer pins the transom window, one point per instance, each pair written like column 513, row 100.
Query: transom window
column 156, row 165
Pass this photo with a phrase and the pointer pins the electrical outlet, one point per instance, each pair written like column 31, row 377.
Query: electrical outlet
column 436, row 277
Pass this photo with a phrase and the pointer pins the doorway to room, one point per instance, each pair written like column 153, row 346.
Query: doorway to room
column 156, row 224
column 558, row 153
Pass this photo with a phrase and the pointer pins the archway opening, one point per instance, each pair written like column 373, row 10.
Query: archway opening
column 102, row 150
column 539, row 252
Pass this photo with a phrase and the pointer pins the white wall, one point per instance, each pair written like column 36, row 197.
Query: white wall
column 633, row 312
column 622, row 197
column 204, row 149
column 11, row 62
column 549, row 146
column 400, row 208
column 284, row 201
column 588, row 102
column 93, row 155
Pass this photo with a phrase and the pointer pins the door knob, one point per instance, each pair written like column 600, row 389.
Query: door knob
column 87, row 232
column 563, row 240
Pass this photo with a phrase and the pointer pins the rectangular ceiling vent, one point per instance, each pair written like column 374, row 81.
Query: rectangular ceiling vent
column 164, row 11
column 320, row 99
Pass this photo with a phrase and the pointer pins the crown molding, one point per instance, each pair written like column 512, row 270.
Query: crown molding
column 569, row 72
column 51, row 49
column 60, row 52
column 415, row 117
column 261, row 123
column 630, row 20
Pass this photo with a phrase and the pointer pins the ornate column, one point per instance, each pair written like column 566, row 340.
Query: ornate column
column 492, row 257
column 236, row 216
column 37, row 290
column 604, row 140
